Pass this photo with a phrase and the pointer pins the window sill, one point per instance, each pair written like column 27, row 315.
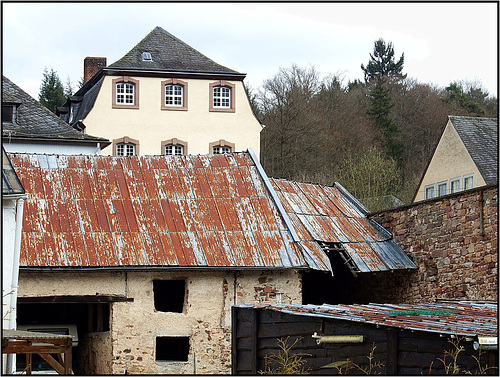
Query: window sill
column 134, row 107
column 221, row 110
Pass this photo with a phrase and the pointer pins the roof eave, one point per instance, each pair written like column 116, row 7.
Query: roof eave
column 103, row 143
column 180, row 73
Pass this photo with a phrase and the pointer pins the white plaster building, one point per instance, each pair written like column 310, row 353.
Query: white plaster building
column 164, row 97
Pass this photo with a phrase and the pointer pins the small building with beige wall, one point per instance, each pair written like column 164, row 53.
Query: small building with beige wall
column 164, row 97
column 466, row 157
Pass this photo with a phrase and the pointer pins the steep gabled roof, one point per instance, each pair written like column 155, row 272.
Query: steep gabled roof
column 480, row 137
column 182, row 211
column 169, row 53
column 33, row 121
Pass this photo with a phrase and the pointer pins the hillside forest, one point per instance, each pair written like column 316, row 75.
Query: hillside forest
column 375, row 137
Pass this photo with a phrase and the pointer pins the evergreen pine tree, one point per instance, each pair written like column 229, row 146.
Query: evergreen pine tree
column 380, row 73
column 51, row 91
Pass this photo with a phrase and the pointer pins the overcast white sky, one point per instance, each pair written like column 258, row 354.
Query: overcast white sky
column 442, row 42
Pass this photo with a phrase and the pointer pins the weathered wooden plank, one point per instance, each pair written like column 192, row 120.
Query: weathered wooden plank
column 267, row 330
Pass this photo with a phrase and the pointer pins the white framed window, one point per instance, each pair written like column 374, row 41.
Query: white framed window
column 468, row 181
column 174, row 147
column 174, row 150
column 174, row 95
column 125, row 147
column 442, row 188
column 429, row 191
column 220, row 149
column 454, row 185
column 125, row 93
column 146, row 56
column 222, row 97
column 125, row 150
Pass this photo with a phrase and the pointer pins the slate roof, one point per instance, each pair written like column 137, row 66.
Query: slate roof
column 169, row 53
column 35, row 122
column 170, row 211
column 464, row 319
column 480, row 137
column 81, row 105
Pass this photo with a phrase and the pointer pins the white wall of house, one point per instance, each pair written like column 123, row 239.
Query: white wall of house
column 51, row 148
column 8, row 237
column 450, row 161
column 197, row 125
column 135, row 326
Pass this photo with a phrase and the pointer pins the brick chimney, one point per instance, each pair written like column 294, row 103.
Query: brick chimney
column 91, row 66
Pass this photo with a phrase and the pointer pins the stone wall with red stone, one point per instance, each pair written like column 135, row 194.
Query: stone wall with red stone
column 453, row 240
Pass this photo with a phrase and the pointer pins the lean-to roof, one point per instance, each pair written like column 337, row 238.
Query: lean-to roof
column 461, row 318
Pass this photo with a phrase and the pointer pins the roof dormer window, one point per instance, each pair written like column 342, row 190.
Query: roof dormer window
column 8, row 113
column 146, row 57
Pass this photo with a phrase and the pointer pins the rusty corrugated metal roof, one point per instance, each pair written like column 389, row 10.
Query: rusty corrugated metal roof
column 331, row 215
column 205, row 210
column 464, row 319
column 104, row 211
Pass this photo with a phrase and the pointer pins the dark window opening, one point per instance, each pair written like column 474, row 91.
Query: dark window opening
column 319, row 287
column 7, row 113
column 171, row 348
column 87, row 317
column 169, row 295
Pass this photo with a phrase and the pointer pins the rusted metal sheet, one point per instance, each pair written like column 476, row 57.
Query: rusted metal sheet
column 101, row 211
column 332, row 215
column 462, row 318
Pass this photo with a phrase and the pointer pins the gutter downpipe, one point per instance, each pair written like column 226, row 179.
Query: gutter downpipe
column 10, row 368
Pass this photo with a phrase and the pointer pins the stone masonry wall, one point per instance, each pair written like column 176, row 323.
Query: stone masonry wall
column 453, row 241
column 129, row 347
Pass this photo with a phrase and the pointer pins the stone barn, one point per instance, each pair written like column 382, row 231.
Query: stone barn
column 144, row 256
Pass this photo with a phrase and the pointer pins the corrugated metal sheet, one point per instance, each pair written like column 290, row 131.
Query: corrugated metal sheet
column 332, row 215
column 464, row 319
column 211, row 210
column 10, row 182
column 101, row 211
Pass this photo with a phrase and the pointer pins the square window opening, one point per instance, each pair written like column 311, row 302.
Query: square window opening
column 169, row 295
column 172, row 348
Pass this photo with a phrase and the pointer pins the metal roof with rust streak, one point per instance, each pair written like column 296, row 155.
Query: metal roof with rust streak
column 332, row 215
column 187, row 211
column 461, row 318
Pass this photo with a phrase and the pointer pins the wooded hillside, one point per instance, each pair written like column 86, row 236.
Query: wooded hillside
column 373, row 137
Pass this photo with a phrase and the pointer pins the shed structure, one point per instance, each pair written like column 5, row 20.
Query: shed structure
column 405, row 339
